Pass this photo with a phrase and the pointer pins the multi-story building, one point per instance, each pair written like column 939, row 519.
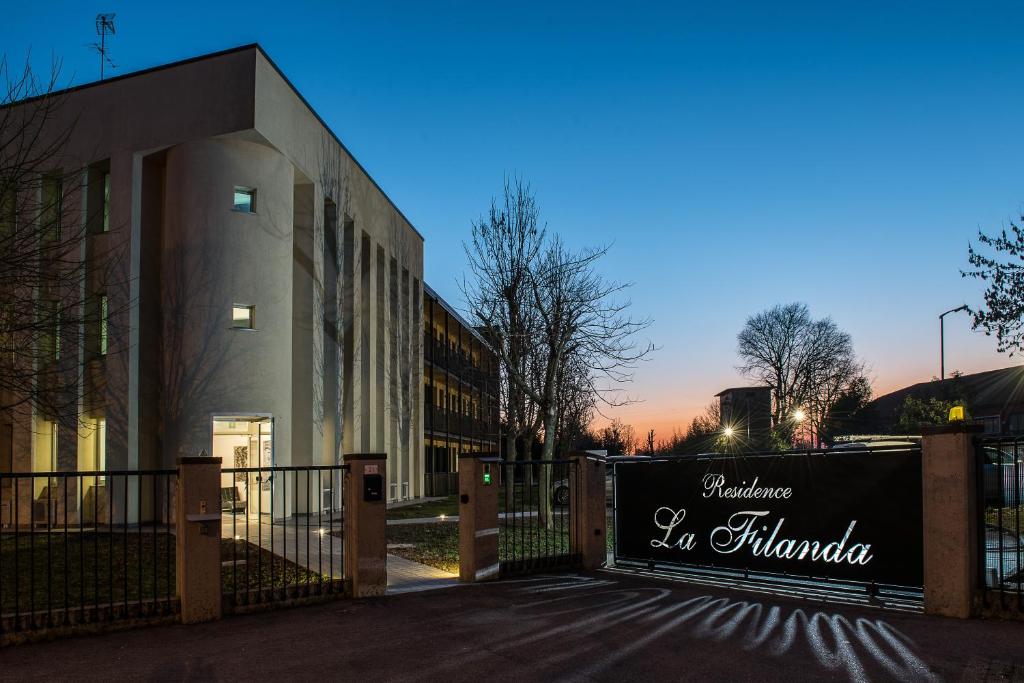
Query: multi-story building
column 271, row 304
column 460, row 384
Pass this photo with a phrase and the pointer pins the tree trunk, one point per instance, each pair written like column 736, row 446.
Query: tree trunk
column 546, row 490
column 508, row 474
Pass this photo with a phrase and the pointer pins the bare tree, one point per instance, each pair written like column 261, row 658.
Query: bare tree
column 48, row 321
column 575, row 408
column 503, row 248
column 808, row 363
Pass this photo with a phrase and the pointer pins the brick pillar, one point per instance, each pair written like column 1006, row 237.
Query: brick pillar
column 366, row 542
column 197, row 538
column 587, row 509
column 478, row 516
column 949, row 498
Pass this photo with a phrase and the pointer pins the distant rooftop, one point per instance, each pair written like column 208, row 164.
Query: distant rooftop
column 754, row 388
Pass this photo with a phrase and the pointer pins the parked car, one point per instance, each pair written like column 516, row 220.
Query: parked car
column 560, row 488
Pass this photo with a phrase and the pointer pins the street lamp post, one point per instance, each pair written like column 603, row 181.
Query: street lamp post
column 942, row 338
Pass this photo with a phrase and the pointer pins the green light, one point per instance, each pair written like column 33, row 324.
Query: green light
column 487, row 475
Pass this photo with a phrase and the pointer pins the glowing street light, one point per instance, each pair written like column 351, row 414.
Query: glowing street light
column 728, row 432
column 799, row 415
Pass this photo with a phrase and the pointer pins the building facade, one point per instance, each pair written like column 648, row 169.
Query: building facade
column 460, row 388
column 270, row 298
column 748, row 412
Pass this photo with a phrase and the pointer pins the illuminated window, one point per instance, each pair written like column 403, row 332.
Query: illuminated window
column 243, row 317
column 245, row 199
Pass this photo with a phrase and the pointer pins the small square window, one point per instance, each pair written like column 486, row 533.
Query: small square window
column 243, row 317
column 245, row 199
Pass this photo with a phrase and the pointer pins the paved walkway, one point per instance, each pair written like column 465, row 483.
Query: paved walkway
column 315, row 549
column 406, row 576
column 568, row 627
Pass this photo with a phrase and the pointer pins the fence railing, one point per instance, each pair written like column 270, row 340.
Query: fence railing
column 282, row 533
column 86, row 547
column 1000, row 495
column 535, row 527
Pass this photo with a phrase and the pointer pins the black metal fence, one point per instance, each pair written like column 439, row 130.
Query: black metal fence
column 85, row 547
column 1000, row 482
column 535, row 522
column 282, row 529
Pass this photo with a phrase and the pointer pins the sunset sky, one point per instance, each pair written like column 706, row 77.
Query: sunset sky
column 840, row 154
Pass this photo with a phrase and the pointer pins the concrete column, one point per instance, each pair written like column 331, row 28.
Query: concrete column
column 478, row 517
column 198, row 538
column 949, row 498
column 366, row 541
column 587, row 509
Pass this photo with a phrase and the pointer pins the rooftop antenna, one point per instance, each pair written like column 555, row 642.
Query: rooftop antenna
column 104, row 25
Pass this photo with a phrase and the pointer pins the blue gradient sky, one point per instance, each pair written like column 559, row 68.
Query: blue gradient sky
column 841, row 154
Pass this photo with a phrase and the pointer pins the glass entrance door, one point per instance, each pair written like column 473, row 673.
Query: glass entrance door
column 244, row 442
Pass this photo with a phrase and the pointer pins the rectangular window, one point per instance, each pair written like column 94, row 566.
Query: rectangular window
column 51, row 209
column 7, row 332
column 106, row 202
column 245, row 199
column 1016, row 425
column 104, row 312
column 8, row 210
column 243, row 317
column 50, row 339
column 53, row 446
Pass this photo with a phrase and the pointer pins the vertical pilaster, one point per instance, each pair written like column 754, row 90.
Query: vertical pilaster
column 478, row 517
column 197, row 539
column 587, row 509
column 949, row 499
column 366, row 524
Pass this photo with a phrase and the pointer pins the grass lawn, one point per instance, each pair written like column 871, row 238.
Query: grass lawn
column 90, row 569
column 259, row 569
column 445, row 506
column 525, row 499
column 437, row 544
column 94, row 568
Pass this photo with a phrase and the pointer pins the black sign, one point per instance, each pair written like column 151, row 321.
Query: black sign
column 848, row 516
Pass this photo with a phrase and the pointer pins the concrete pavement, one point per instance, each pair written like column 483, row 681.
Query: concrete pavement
column 601, row 626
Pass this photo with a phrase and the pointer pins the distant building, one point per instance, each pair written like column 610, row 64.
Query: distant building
column 994, row 399
column 748, row 410
column 460, row 384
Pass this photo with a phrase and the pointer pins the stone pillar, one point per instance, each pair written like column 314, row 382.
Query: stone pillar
column 478, row 516
column 197, row 542
column 366, row 543
column 950, row 514
column 587, row 509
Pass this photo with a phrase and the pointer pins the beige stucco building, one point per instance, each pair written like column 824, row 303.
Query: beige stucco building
column 267, row 302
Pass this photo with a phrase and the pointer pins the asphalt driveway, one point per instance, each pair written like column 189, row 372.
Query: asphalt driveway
column 601, row 626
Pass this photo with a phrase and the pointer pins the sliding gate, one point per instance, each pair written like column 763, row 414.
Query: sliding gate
column 850, row 520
